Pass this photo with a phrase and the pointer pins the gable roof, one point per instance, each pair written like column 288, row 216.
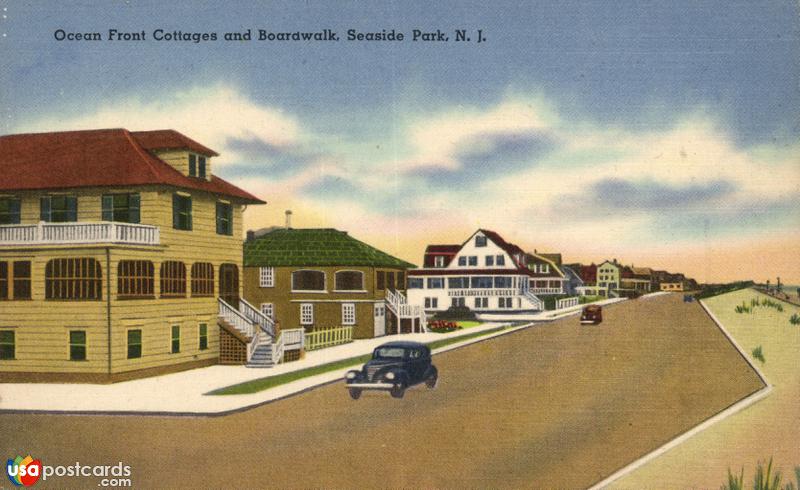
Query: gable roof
column 442, row 249
column 101, row 158
column 315, row 247
column 509, row 248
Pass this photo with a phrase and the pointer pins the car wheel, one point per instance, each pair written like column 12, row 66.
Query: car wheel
column 355, row 393
column 397, row 391
column 432, row 382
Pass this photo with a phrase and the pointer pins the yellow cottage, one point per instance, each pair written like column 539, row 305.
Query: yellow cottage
column 119, row 250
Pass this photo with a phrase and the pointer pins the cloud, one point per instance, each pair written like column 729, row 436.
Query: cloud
column 614, row 194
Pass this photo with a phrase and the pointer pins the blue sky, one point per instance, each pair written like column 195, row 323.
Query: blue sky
column 636, row 123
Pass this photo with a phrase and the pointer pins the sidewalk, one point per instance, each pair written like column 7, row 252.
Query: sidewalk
column 184, row 393
column 548, row 315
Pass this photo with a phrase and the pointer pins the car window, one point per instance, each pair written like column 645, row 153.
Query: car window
column 415, row 354
column 389, row 352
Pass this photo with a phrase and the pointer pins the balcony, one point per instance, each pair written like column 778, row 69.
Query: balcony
column 78, row 234
column 547, row 290
column 484, row 292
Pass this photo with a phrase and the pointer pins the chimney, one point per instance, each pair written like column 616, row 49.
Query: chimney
column 288, row 219
column 251, row 235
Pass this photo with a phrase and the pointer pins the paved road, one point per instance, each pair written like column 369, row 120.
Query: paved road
column 557, row 405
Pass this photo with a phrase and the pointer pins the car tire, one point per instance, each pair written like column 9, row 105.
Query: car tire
column 397, row 391
column 355, row 393
column 432, row 382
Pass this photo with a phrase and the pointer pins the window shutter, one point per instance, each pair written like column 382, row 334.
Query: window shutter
column 72, row 208
column 14, row 208
column 175, row 211
column 133, row 208
column 108, row 207
column 220, row 230
column 229, row 211
column 44, row 207
column 202, row 167
column 189, row 212
column 192, row 165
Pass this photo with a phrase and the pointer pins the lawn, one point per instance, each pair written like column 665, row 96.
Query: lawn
column 767, row 429
column 261, row 384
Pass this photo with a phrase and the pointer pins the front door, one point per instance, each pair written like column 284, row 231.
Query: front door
column 229, row 284
column 380, row 319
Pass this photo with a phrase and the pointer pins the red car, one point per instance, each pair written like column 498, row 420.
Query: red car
column 592, row 314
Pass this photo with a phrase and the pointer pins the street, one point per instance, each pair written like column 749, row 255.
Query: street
column 555, row 405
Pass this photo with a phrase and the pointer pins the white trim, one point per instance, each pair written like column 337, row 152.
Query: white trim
column 266, row 277
column 347, row 310
column 309, row 314
column 333, row 300
column 343, row 290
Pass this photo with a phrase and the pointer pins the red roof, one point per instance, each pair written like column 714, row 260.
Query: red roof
column 442, row 249
column 101, row 158
column 469, row 272
column 510, row 248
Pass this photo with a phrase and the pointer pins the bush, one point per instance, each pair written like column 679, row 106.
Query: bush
column 795, row 319
column 763, row 479
column 759, row 354
column 710, row 290
column 455, row 313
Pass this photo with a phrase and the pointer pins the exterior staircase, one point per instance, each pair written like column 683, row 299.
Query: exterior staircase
column 534, row 300
column 264, row 347
column 398, row 304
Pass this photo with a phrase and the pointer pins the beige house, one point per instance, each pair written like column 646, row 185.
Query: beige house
column 116, row 251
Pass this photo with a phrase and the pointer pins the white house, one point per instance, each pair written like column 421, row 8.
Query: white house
column 485, row 273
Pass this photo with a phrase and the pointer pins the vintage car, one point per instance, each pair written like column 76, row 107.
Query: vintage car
column 592, row 314
column 394, row 367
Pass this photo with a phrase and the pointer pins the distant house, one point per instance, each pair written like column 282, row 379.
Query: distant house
column 635, row 280
column 320, row 279
column 608, row 277
column 572, row 279
column 547, row 278
column 485, row 274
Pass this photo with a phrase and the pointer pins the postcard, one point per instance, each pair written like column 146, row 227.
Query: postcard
column 353, row 244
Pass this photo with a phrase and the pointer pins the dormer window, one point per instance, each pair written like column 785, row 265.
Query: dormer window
column 197, row 166
column 480, row 241
column 438, row 261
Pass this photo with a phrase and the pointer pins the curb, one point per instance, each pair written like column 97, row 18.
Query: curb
column 727, row 412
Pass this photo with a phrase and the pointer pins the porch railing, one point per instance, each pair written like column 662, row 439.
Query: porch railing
column 484, row 292
column 294, row 338
column 256, row 316
column 567, row 302
column 236, row 318
column 328, row 337
column 79, row 233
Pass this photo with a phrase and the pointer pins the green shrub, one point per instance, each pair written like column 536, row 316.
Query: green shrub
column 734, row 483
column 759, row 354
column 795, row 319
column 763, row 479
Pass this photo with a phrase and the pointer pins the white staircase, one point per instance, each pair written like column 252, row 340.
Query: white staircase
column 536, row 303
column 263, row 348
column 398, row 304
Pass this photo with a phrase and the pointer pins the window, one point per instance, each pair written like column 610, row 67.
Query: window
column 506, row 302
column 431, row 302
column 202, row 279
column 458, row 282
column 348, row 314
column 462, row 261
column 77, row 345
column 3, row 280
column 481, row 302
column 7, row 344
column 134, row 344
column 438, row 261
column 480, row 241
column 502, row 282
column 175, row 346
column 435, row 283
column 483, row 282
column 192, row 165
column 266, row 277
column 59, row 209
column 268, row 309
column 224, row 218
column 457, row 302
column 390, row 280
column 201, row 166
column 489, row 260
column 306, row 314
column 473, row 260
column 121, row 207
column 415, row 283
column 555, row 284
column 203, row 335
column 181, row 212
column 173, row 279
column 135, row 278
column 22, row 279
column 349, row 281
column 545, row 268
column 9, row 211
column 73, row 279
column 308, row 281
column 401, row 280
column 381, row 280
column 500, row 260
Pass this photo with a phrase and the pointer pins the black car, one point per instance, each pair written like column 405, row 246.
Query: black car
column 394, row 367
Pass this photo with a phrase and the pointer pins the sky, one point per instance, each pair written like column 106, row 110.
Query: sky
column 664, row 134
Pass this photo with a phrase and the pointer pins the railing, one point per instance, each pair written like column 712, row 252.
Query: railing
column 253, row 345
column 294, row 338
column 236, row 318
column 546, row 290
column 567, row 302
column 79, row 233
column 537, row 303
column 484, row 292
column 328, row 337
column 255, row 315
column 277, row 349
